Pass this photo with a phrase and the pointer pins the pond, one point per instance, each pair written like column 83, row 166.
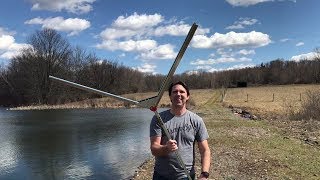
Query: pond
column 73, row 144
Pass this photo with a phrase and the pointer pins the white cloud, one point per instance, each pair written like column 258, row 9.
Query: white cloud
column 73, row 6
column 133, row 34
column 307, row 56
column 8, row 54
column 6, row 41
column 112, row 33
column 209, row 68
column 9, row 48
column 240, row 66
column 220, row 60
column 177, row 30
column 72, row 25
column 127, row 32
column 203, row 62
column 247, row 3
column 141, row 26
column 225, row 52
column 3, row 31
column 242, row 22
column 137, row 21
column 300, row 44
column 161, row 52
column 246, row 52
column 174, row 30
column 192, row 72
column 146, row 68
column 284, row 40
column 134, row 26
column 130, row 45
column 212, row 55
column 231, row 39
column 122, row 55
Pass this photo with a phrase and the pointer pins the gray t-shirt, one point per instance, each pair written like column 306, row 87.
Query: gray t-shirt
column 186, row 130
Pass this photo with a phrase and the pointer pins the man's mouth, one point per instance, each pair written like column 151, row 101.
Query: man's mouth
column 178, row 99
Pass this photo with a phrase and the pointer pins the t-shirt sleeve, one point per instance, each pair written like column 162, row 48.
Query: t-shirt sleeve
column 202, row 133
column 155, row 129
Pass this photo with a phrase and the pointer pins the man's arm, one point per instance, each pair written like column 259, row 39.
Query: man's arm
column 162, row 150
column 205, row 156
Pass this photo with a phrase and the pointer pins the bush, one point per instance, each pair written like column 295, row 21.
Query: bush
column 310, row 108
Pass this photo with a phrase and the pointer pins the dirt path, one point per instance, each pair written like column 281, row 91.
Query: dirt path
column 247, row 149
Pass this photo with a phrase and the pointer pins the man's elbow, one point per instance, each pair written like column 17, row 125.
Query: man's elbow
column 204, row 149
column 153, row 151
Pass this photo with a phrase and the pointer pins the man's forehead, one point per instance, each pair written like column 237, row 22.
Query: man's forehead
column 178, row 86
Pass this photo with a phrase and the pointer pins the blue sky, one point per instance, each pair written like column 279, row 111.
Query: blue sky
column 147, row 35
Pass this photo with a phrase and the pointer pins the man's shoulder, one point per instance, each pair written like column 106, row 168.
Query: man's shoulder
column 165, row 112
column 166, row 115
column 193, row 114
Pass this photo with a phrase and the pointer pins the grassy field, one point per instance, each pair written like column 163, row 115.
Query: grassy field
column 256, row 149
column 267, row 100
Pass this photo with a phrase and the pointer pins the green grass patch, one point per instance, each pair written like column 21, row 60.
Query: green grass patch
column 256, row 149
column 300, row 161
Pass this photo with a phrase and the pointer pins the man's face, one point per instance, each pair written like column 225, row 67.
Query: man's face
column 179, row 96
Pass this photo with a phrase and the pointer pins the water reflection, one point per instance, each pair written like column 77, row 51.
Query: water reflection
column 78, row 171
column 8, row 159
column 73, row 144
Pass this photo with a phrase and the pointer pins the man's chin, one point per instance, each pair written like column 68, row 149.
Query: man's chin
column 178, row 104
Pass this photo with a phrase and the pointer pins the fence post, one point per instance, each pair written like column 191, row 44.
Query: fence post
column 300, row 97
column 273, row 97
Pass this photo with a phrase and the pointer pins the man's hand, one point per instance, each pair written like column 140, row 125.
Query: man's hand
column 202, row 178
column 171, row 145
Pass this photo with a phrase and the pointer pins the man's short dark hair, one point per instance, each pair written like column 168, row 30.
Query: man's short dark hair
column 180, row 83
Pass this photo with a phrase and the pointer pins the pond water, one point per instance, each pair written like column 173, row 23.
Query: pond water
column 73, row 144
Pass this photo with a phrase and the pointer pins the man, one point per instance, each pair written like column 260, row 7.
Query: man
column 185, row 129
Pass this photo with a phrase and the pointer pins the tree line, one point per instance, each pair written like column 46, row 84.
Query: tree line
column 25, row 81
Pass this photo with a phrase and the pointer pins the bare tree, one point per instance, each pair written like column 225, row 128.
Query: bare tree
column 29, row 71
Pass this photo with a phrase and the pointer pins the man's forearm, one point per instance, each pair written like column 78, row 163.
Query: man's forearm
column 205, row 160
column 159, row 150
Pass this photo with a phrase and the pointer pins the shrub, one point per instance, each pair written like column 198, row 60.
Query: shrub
column 310, row 107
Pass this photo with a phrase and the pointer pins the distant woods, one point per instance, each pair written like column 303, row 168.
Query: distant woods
column 25, row 80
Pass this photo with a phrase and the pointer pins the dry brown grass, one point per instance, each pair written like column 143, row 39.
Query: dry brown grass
column 269, row 100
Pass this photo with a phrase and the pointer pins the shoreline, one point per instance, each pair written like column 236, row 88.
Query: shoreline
column 53, row 107
column 145, row 170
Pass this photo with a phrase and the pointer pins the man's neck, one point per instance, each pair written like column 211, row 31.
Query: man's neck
column 178, row 111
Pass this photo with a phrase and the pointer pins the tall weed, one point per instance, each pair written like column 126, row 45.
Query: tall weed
column 310, row 107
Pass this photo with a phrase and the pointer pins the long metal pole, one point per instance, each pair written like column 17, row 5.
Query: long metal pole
column 92, row 90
